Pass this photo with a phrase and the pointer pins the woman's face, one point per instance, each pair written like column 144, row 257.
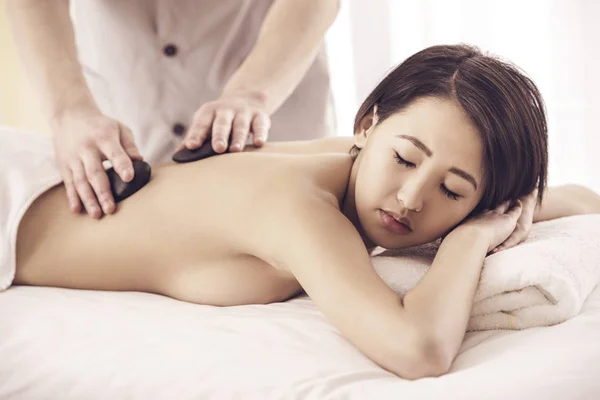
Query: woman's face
column 423, row 165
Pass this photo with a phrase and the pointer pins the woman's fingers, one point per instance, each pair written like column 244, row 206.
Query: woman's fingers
column 502, row 208
column 516, row 209
column 513, row 240
column 518, row 234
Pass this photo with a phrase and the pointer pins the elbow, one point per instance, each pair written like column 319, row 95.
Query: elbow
column 434, row 359
column 422, row 358
column 582, row 199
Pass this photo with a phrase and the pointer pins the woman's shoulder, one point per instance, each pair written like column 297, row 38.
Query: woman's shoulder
column 338, row 144
column 314, row 175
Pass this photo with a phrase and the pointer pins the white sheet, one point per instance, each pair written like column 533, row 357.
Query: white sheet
column 70, row 344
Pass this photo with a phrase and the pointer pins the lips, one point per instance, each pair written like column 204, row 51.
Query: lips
column 394, row 223
column 398, row 218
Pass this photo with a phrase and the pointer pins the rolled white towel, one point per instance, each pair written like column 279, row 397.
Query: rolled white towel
column 543, row 281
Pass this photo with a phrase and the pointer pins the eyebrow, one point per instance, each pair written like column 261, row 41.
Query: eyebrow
column 457, row 171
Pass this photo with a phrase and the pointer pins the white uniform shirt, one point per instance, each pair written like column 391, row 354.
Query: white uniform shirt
column 152, row 64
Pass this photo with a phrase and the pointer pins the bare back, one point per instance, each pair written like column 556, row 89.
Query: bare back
column 193, row 233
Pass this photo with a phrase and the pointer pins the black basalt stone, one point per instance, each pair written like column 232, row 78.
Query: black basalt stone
column 186, row 155
column 122, row 190
column 206, row 150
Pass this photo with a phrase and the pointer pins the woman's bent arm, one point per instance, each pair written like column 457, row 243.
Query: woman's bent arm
column 565, row 201
column 330, row 261
column 416, row 339
column 441, row 302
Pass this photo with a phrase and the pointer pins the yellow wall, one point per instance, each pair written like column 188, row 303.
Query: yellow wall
column 18, row 106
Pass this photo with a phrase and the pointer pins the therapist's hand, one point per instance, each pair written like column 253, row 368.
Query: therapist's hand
column 83, row 138
column 232, row 115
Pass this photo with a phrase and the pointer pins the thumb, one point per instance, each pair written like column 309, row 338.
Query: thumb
column 128, row 143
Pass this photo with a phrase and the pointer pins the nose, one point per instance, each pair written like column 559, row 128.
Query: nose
column 411, row 193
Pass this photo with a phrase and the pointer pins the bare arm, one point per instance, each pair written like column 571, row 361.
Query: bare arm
column 43, row 32
column 565, row 201
column 415, row 338
column 288, row 42
column 442, row 301
column 83, row 136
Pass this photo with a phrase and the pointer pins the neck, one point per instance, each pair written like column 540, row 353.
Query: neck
column 348, row 206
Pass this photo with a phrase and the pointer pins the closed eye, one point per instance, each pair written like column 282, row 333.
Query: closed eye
column 450, row 194
column 402, row 161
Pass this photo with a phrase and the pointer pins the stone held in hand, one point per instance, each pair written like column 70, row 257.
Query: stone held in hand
column 205, row 151
column 120, row 189
column 186, row 155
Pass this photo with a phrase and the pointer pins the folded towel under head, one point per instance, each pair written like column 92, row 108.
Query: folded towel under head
column 543, row 281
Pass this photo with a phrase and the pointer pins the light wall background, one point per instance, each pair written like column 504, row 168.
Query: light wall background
column 18, row 106
column 557, row 42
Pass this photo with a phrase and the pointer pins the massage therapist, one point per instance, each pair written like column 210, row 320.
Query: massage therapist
column 125, row 79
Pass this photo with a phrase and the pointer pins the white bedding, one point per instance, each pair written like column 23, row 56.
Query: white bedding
column 71, row 344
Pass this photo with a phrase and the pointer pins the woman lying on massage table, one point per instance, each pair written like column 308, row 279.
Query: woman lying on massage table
column 446, row 136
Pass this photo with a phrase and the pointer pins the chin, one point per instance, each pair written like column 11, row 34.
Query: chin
column 388, row 240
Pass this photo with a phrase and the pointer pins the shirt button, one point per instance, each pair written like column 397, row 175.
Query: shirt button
column 170, row 50
column 178, row 129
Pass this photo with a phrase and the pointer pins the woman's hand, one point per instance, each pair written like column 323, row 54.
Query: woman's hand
column 524, row 223
column 495, row 225
column 235, row 115
column 83, row 138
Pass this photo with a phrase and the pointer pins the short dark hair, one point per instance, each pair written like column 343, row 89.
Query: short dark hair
column 502, row 102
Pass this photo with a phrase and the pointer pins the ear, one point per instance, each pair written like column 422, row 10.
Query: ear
column 365, row 128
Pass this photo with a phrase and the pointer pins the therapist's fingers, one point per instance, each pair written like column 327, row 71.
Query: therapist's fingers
column 72, row 196
column 221, row 130
column 200, row 128
column 118, row 158
column 261, row 123
column 241, row 129
column 98, row 180
column 84, row 190
column 128, row 144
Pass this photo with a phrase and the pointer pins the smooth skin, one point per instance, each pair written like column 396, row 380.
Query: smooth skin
column 270, row 223
column 84, row 136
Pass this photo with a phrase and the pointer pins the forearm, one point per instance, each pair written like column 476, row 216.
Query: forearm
column 565, row 201
column 440, row 304
column 43, row 32
column 288, row 42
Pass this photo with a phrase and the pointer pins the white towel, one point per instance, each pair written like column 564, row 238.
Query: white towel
column 27, row 169
column 543, row 281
